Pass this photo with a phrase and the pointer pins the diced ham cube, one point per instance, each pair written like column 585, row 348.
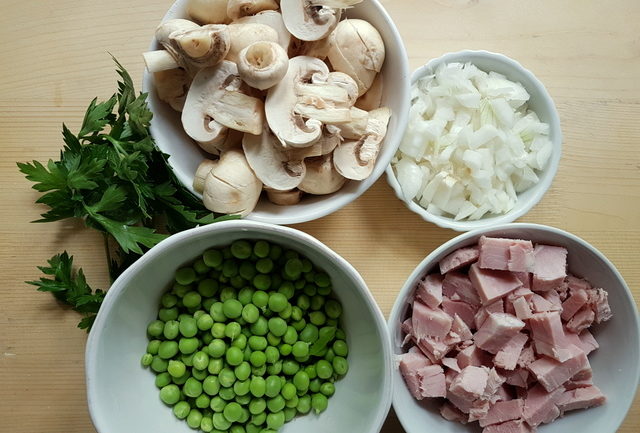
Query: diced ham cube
column 525, row 279
column 522, row 309
column 491, row 284
column 432, row 381
column 589, row 343
column 429, row 322
column 505, row 254
column 581, row 398
column 457, row 285
column 599, row 302
column 576, row 300
column 540, row 304
column 584, row 374
column 410, row 365
column 552, row 374
column 433, row 348
column 581, row 320
column 515, row 426
column 474, row 356
column 548, row 335
column 407, row 327
column 503, row 411
column 470, row 383
column 496, row 331
column 482, row 314
column 479, row 410
column 461, row 403
column 575, row 283
column 459, row 259
column 429, row 290
column 451, row 363
column 527, row 356
column 494, row 382
column 553, row 297
column 518, row 377
column 540, row 405
column 574, row 384
column 508, row 356
column 452, row 413
column 460, row 328
column 550, row 267
column 466, row 311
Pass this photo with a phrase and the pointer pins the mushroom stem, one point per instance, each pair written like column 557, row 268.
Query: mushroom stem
column 263, row 64
column 284, row 198
column 241, row 8
column 159, row 60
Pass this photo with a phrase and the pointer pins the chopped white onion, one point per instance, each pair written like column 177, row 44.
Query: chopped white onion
column 472, row 144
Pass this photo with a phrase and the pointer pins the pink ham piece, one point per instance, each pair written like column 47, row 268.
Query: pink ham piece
column 525, row 279
column 429, row 322
column 576, row 300
column 540, row 405
column 496, row 331
column 452, row 364
column 474, row 356
column 470, row 383
column 459, row 259
column 483, row 312
column 522, row 308
column 574, row 384
column 433, row 348
column 548, row 335
column 540, row 304
column 551, row 374
column 581, row 320
column 581, row 398
column 527, row 356
column 575, row 283
column 410, row 365
column 458, row 286
column 598, row 299
column 508, row 356
column 432, row 382
column 466, row 311
column 553, row 297
column 503, row 411
column 452, row 413
column 494, row 383
column 550, row 267
column 505, row 254
column 460, row 328
column 518, row 377
column 491, row 284
column 479, row 410
column 429, row 290
column 516, row 426
column 588, row 342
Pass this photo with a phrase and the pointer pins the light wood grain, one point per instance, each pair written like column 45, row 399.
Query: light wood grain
column 55, row 59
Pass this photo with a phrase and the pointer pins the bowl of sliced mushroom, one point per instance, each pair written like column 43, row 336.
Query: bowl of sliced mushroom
column 278, row 111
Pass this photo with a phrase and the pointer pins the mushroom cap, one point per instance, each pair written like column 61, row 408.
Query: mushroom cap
column 227, row 139
column 172, row 86
column 208, row 11
column 272, row 19
column 231, row 187
column 321, row 177
column 284, row 198
column 201, row 174
column 270, row 162
column 372, row 98
column 307, row 21
column 243, row 35
column 241, row 8
column 356, row 48
column 262, row 64
column 214, row 95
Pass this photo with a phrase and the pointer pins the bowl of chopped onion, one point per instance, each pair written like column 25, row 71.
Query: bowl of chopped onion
column 482, row 145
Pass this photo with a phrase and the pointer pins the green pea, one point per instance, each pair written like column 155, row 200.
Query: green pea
column 187, row 359
column 328, row 389
column 153, row 346
column 232, row 330
column 311, row 371
column 250, row 313
column 271, row 354
column 330, row 355
column 168, row 300
column 277, row 326
column 247, row 270
column 262, row 282
column 237, row 282
column 260, row 327
column 212, row 258
column 206, row 425
column 200, row 360
column 300, row 284
column 314, row 385
column 264, row 265
column 240, row 341
column 296, row 313
column 202, row 402
column 232, row 412
column 208, row 287
column 309, row 334
column 241, row 387
column 166, row 314
column 301, row 381
column 293, row 268
column 232, row 308
column 182, row 379
column 340, row 348
column 277, row 302
column 303, row 302
column 273, row 386
column 324, row 291
column 217, row 330
column 217, row 348
column 324, row 369
column 176, row 368
column 229, row 268
column 227, row 393
column 216, row 312
column 257, row 387
column 259, row 419
column 340, row 365
column 211, row 385
column 317, row 318
column 170, row 394
column 322, row 279
column 287, row 289
column 188, row 327
column 317, row 302
column 242, row 371
column 299, row 325
column 257, row 342
column 146, row 360
column 260, row 299
column 259, row 371
column 215, row 366
column 333, row 309
column 292, row 402
column 290, row 413
column 310, row 290
column 200, row 267
column 180, row 290
column 319, row 403
column 261, row 249
column 300, row 349
column 304, row 404
column 159, row 365
column 273, row 340
column 257, row 358
column 288, row 391
column 290, row 367
column 185, row 276
column 192, row 300
column 171, row 330
column 237, row 428
column 220, row 422
column 286, row 313
column 257, row 405
column 234, row 356
column 275, row 404
column 241, row 249
column 204, row 322
column 243, row 399
column 275, row 251
column 275, row 368
column 246, row 354
column 217, row 404
column 285, row 349
column 275, row 420
column 163, row 379
column 340, row 335
column 188, row 345
column 181, row 409
column 192, row 387
column 226, row 377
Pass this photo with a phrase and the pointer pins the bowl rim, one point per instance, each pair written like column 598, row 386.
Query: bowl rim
column 176, row 241
column 329, row 203
column 539, row 190
column 394, row 316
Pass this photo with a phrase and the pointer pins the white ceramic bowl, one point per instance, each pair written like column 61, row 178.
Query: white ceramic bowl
column 540, row 102
column 616, row 370
column 122, row 395
column 185, row 155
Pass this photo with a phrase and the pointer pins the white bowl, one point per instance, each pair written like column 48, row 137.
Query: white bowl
column 616, row 370
column 185, row 155
column 121, row 394
column 540, row 102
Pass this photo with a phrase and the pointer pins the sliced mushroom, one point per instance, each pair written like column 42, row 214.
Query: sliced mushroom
column 201, row 174
column 355, row 159
column 356, row 127
column 172, row 86
column 329, row 140
column 263, row 64
column 272, row 19
column 193, row 47
column 241, row 8
column 322, row 177
column 270, row 162
column 214, row 95
column 243, row 35
column 284, row 198
column 226, row 139
column 231, row 187
column 357, row 49
column 307, row 96
column 318, row 49
column 311, row 20
column 208, row 11
column 372, row 99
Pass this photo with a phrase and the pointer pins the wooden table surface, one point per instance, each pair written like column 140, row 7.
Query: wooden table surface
column 55, row 60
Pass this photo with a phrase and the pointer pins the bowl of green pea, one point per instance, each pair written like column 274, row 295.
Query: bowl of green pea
column 239, row 327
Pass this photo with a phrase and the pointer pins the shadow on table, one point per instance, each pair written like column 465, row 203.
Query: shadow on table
column 392, row 425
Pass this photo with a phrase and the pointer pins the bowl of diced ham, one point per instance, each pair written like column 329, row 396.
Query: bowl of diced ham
column 515, row 329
